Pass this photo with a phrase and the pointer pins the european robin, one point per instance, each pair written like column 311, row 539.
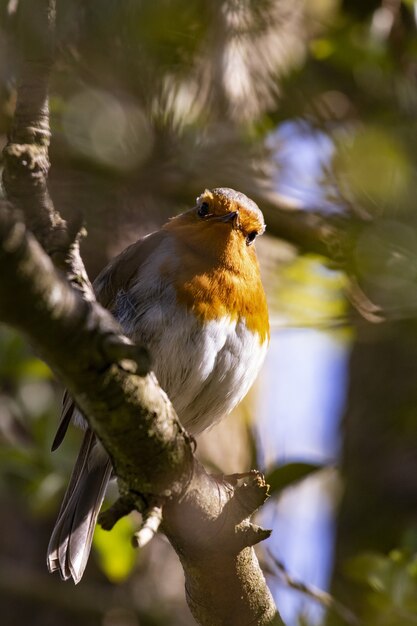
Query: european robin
column 192, row 293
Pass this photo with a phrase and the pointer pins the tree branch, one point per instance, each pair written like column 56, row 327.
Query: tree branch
column 207, row 521
column 26, row 159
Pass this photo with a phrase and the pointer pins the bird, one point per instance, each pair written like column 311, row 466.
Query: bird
column 192, row 293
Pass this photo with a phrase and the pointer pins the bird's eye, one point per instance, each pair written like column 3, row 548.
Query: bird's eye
column 251, row 237
column 203, row 209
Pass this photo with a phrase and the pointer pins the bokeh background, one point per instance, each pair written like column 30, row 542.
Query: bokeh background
column 302, row 105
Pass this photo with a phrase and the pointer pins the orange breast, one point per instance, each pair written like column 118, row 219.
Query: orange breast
column 214, row 288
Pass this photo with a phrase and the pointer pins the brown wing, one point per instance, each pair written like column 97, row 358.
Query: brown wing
column 116, row 276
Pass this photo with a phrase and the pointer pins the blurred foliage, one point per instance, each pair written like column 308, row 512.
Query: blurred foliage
column 286, row 475
column 28, row 414
column 150, row 103
column 116, row 554
column 311, row 294
column 390, row 586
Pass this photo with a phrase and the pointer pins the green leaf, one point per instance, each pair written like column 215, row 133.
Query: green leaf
column 369, row 568
column 285, row 475
column 35, row 368
column 114, row 549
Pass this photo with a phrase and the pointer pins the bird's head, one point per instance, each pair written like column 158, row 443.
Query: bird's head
column 223, row 223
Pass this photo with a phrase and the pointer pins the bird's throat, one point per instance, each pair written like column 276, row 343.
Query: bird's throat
column 214, row 289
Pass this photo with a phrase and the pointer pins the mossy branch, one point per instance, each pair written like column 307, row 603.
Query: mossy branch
column 107, row 376
column 206, row 520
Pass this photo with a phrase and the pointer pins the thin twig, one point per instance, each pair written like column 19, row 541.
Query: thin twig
column 323, row 597
column 152, row 519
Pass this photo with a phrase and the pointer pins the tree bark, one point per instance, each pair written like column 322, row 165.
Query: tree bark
column 379, row 462
column 207, row 520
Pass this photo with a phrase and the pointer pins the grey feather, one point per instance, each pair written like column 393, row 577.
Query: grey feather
column 72, row 536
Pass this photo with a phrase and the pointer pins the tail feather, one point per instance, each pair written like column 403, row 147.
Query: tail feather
column 72, row 536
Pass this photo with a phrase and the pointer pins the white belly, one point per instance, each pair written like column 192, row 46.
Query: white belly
column 208, row 375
